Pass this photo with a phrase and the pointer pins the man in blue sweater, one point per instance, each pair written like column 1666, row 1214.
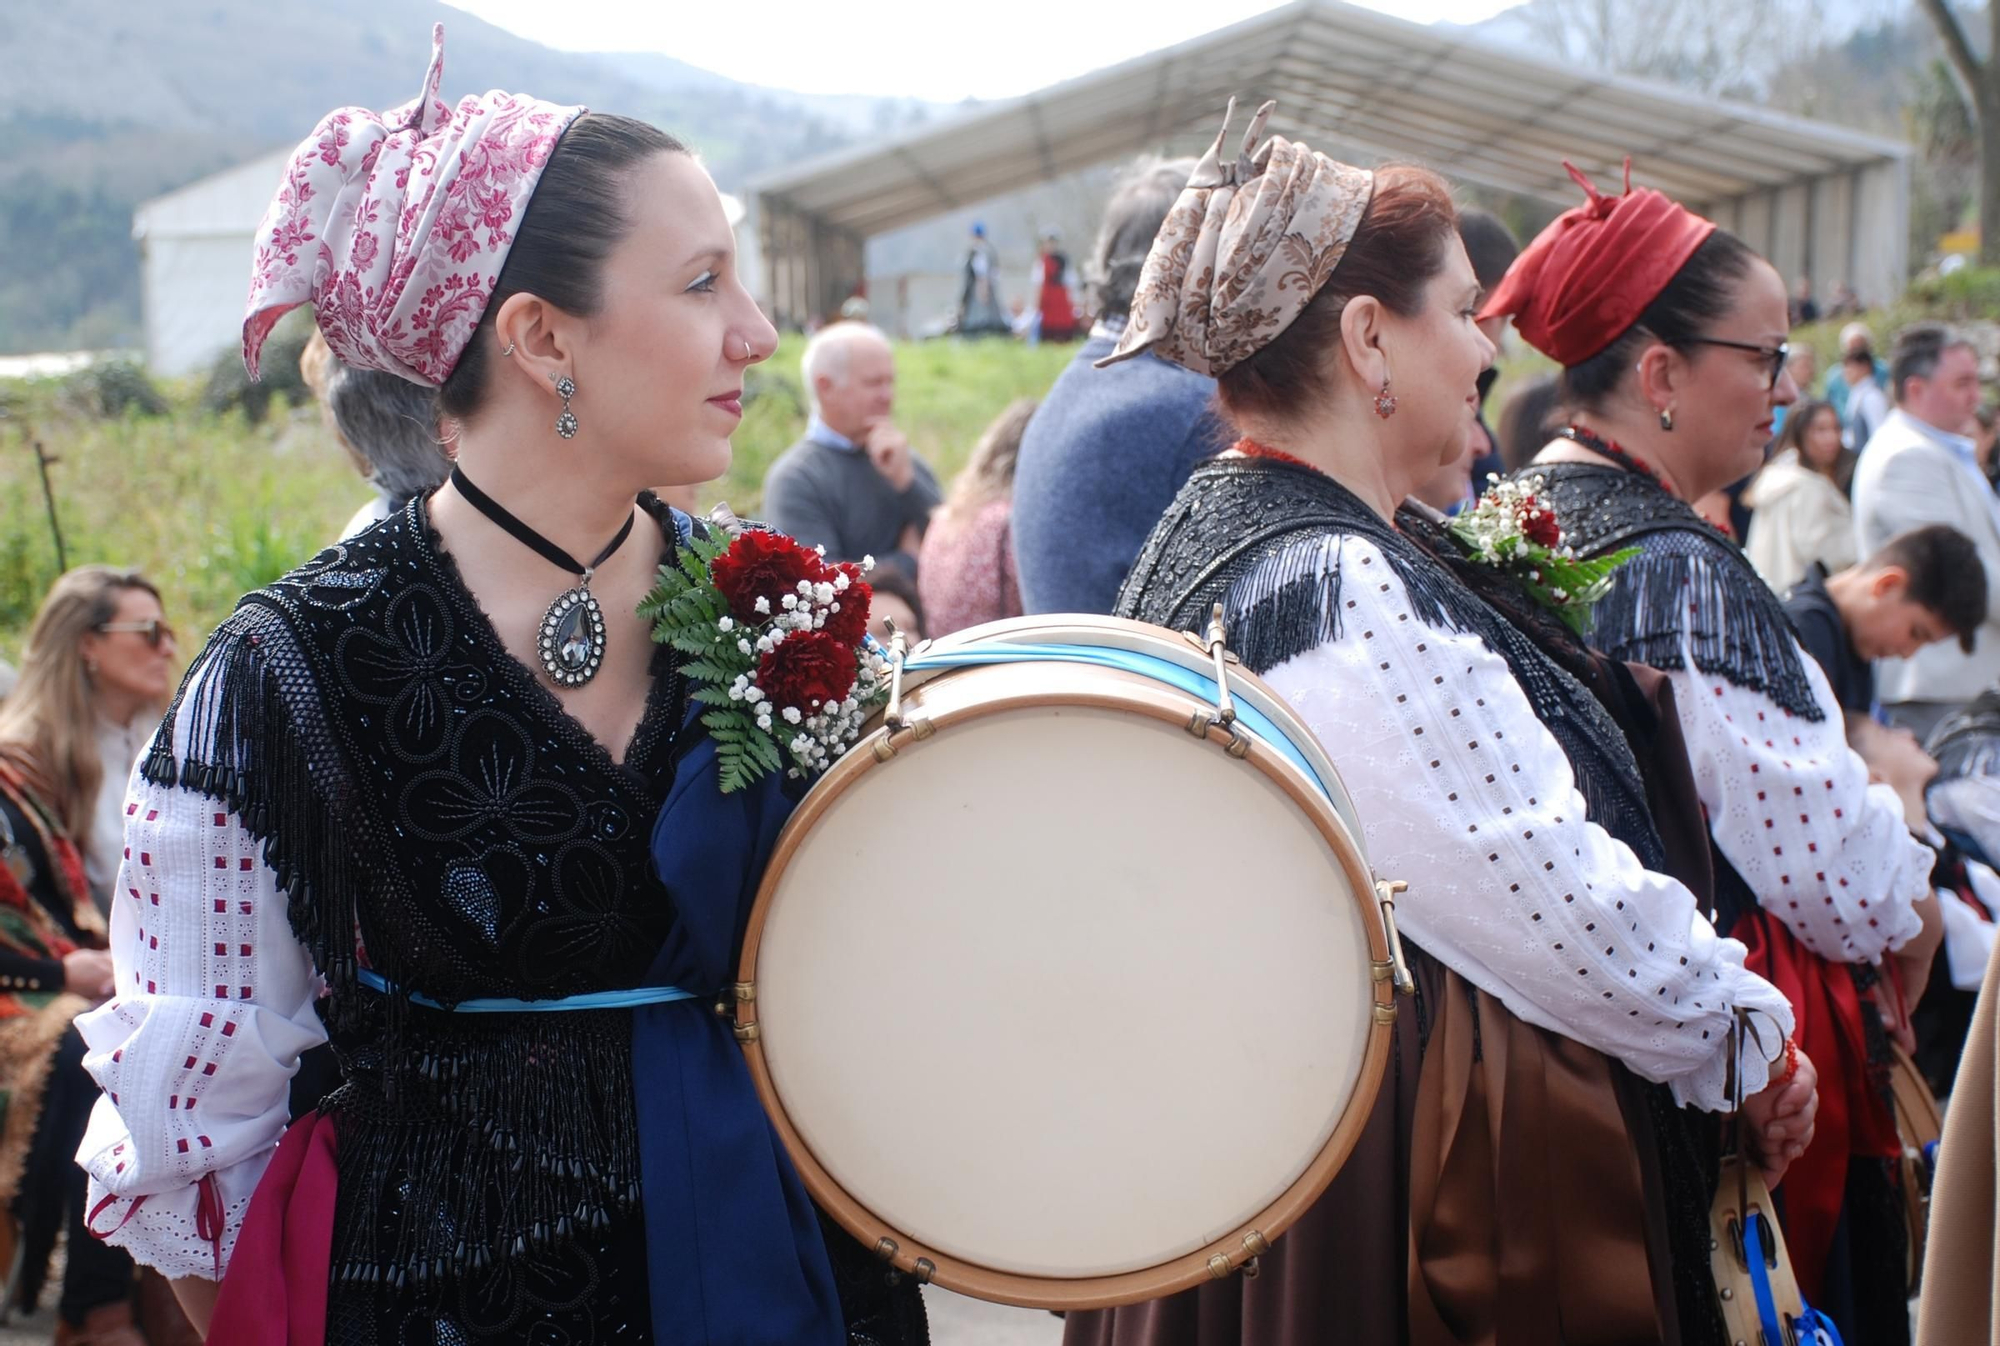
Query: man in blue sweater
column 1108, row 448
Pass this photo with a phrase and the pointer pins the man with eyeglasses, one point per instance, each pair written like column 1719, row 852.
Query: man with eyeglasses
column 1920, row 468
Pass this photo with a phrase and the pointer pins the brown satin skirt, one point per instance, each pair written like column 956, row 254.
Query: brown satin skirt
column 1497, row 1196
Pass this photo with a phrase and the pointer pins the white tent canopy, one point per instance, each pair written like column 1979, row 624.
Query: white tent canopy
column 1816, row 199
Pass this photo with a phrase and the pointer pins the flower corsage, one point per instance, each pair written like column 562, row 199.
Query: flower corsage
column 1510, row 529
column 776, row 645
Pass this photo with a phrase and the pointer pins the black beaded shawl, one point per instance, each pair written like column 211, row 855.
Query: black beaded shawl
column 421, row 796
column 1247, row 533
column 1738, row 629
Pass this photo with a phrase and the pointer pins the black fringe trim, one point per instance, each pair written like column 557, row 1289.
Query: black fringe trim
column 1688, row 579
column 258, row 746
column 507, row 1141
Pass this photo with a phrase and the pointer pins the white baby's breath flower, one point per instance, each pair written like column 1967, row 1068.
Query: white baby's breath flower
column 743, row 644
column 726, row 624
column 867, row 564
column 764, row 720
column 763, row 605
column 792, row 715
column 840, row 581
column 790, row 601
column 764, row 644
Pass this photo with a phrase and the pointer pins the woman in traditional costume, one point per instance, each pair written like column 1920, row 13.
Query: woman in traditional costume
column 1511, row 1187
column 99, row 659
column 1055, row 314
column 404, row 800
column 1672, row 338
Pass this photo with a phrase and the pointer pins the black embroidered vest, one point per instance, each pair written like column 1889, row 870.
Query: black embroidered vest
column 1240, row 533
column 417, row 791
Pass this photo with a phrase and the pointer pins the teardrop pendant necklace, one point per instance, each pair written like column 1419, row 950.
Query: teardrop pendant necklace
column 571, row 641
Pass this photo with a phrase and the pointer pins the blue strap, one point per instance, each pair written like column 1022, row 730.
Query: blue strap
column 1130, row 661
column 594, row 1000
column 1819, row 1330
column 1814, row 1327
column 1760, row 1281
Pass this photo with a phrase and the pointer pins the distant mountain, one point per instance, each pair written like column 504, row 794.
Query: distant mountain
column 855, row 115
column 152, row 96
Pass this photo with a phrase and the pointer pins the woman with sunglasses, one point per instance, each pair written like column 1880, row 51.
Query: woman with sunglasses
column 93, row 680
column 1671, row 334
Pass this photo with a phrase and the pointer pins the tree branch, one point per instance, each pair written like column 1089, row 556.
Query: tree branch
column 1957, row 49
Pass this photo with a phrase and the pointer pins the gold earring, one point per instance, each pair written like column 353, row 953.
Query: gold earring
column 1385, row 401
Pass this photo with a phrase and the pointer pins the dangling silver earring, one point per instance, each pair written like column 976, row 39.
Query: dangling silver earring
column 1667, row 419
column 1385, row 401
column 508, row 349
column 566, row 422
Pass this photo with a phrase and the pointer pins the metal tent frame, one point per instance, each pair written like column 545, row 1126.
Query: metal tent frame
column 1816, row 199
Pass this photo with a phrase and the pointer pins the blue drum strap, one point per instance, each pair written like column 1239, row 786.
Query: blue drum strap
column 1129, row 661
column 594, row 1000
column 1814, row 1327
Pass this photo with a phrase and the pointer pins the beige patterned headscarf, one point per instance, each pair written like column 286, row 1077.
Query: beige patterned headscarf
column 1244, row 249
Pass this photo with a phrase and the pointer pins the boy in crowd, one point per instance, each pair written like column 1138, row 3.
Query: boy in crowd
column 1922, row 586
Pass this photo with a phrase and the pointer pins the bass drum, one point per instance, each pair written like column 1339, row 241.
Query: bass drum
column 1069, row 985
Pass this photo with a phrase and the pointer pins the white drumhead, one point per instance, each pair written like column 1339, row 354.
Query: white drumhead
column 1119, row 633
column 1063, row 992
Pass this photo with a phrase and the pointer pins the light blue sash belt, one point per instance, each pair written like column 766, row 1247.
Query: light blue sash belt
column 594, row 1000
column 1130, row 661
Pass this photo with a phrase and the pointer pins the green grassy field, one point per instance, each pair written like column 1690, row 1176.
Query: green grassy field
column 211, row 505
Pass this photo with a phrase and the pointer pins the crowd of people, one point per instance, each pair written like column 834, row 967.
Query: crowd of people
column 1752, row 796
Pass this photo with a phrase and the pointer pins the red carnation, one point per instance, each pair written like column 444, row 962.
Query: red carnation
column 806, row 669
column 763, row 565
column 849, row 624
column 1538, row 524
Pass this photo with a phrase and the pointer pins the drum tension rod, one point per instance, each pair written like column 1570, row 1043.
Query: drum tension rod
column 1385, row 893
column 1216, row 642
column 892, row 715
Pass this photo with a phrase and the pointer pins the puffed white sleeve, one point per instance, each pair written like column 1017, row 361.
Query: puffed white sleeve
column 1789, row 804
column 213, row 1007
column 1465, row 794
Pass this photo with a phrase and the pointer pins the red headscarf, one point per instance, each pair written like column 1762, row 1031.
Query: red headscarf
column 1587, row 277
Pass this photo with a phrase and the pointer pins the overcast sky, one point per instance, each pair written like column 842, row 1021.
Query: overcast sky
column 936, row 49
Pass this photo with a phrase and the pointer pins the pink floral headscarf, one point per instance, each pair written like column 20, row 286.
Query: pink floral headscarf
column 395, row 225
column 1244, row 249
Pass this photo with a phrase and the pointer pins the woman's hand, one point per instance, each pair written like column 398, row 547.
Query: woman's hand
column 1778, row 1123
column 87, row 972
